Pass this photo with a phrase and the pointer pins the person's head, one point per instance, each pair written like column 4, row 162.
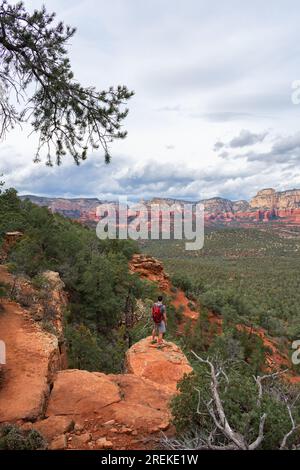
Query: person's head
column 159, row 298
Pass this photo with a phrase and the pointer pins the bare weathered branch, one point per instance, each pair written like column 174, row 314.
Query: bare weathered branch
column 255, row 444
column 294, row 426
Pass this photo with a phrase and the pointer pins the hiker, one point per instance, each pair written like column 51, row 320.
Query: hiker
column 159, row 317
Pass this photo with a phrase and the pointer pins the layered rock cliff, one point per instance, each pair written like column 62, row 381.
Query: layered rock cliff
column 270, row 199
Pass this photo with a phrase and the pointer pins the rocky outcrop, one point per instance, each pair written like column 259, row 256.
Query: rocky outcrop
column 55, row 302
column 151, row 269
column 112, row 406
column 33, row 355
column 32, row 358
column 10, row 239
column 96, row 398
column 164, row 367
column 78, row 409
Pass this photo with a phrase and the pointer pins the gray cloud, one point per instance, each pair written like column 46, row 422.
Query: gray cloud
column 246, row 138
column 218, row 145
column 284, row 153
column 287, row 144
column 224, row 116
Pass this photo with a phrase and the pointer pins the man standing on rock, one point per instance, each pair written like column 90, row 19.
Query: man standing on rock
column 159, row 317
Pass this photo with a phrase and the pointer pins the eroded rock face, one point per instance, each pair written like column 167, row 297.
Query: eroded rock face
column 33, row 355
column 264, row 199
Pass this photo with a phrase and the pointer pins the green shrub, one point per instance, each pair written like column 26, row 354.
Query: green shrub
column 181, row 309
column 191, row 306
column 4, row 289
column 14, row 438
column 182, row 282
column 91, row 351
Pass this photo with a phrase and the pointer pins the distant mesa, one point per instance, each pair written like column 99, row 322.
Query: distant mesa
column 267, row 205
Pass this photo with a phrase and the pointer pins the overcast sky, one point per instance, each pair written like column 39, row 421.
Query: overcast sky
column 212, row 113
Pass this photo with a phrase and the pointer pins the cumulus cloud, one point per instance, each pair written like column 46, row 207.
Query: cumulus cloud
column 198, row 73
column 145, row 179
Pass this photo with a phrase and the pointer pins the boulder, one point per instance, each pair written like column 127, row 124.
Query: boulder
column 165, row 367
column 79, row 392
column 103, row 443
column 59, row 443
column 53, row 426
column 80, row 441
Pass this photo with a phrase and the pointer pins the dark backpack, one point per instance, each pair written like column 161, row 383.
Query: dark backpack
column 157, row 313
